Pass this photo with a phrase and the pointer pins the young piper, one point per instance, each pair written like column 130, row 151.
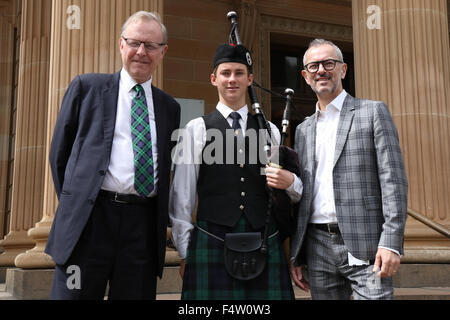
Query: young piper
column 231, row 195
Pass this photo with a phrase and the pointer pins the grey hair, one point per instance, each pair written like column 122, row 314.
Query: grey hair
column 146, row 16
column 320, row 42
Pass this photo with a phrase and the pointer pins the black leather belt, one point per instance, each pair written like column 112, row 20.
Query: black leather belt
column 331, row 228
column 125, row 198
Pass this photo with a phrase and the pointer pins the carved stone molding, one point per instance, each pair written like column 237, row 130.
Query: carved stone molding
column 248, row 22
column 306, row 28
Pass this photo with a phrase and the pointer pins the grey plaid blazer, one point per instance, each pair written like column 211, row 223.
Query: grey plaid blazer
column 369, row 179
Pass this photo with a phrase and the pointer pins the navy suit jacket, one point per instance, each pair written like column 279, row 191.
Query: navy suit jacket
column 80, row 153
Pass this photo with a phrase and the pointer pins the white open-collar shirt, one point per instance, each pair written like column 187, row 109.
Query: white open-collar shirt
column 323, row 207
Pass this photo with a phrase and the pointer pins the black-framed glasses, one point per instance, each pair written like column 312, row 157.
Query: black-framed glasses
column 149, row 46
column 328, row 65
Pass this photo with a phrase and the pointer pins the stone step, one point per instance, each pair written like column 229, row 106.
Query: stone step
column 412, row 282
column 3, row 294
column 431, row 293
column 422, row 275
column 408, row 276
column 3, row 274
column 168, row 296
column 170, row 282
column 424, row 293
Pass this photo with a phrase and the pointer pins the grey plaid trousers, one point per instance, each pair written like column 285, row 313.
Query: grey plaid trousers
column 330, row 276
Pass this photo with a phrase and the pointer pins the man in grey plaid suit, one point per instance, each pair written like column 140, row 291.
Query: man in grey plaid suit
column 352, row 214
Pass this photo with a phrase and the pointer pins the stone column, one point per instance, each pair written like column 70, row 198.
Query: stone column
column 29, row 155
column 6, row 97
column 402, row 57
column 85, row 38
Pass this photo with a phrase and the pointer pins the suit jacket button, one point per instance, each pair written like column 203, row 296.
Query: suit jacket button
column 101, row 172
column 91, row 202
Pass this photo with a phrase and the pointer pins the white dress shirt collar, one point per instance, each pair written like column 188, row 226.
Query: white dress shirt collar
column 226, row 111
column 128, row 82
column 337, row 103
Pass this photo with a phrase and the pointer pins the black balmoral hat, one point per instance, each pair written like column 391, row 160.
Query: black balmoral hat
column 233, row 53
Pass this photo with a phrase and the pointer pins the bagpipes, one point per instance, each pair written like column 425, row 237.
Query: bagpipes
column 246, row 264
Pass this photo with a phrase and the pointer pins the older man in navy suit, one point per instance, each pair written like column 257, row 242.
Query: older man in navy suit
column 110, row 160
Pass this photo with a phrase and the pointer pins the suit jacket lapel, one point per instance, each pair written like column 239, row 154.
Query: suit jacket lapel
column 109, row 103
column 311, row 143
column 161, row 122
column 345, row 122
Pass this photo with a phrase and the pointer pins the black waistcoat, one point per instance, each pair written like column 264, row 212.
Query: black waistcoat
column 226, row 191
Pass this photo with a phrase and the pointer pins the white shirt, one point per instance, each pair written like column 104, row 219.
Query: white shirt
column 183, row 191
column 120, row 174
column 323, row 207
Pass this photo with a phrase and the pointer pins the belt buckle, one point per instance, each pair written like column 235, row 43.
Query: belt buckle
column 118, row 201
column 329, row 229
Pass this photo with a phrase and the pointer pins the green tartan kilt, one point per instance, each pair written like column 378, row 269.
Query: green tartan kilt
column 205, row 277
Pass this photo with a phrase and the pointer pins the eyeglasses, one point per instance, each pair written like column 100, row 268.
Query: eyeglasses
column 328, row 65
column 149, row 46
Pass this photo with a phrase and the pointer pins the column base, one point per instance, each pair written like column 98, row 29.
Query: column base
column 14, row 243
column 7, row 258
column 29, row 284
column 34, row 260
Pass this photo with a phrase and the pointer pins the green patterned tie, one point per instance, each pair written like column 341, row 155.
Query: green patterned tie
column 142, row 144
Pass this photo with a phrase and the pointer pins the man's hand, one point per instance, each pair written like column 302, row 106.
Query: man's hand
column 388, row 261
column 279, row 178
column 297, row 276
column 182, row 266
